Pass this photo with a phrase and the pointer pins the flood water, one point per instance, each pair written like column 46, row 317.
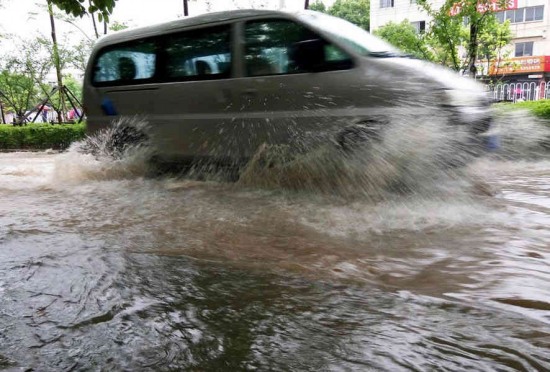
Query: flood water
column 105, row 268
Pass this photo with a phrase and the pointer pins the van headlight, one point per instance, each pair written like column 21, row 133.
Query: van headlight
column 469, row 107
column 465, row 98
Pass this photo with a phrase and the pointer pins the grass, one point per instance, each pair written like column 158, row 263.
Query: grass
column 540, row 109
column 40, row 136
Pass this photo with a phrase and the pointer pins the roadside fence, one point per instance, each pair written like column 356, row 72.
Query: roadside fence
column 517, row 92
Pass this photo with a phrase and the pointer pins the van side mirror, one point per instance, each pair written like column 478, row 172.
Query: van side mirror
column 308, row 55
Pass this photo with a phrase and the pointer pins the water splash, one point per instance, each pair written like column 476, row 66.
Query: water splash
column 125, row 138
column 521, row 135
column 411, row 155
column 120, row 151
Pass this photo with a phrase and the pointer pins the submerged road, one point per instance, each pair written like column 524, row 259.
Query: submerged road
column 102, row 268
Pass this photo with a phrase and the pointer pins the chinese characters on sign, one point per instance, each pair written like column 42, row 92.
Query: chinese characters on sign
column 520, row 65
column 485, row 6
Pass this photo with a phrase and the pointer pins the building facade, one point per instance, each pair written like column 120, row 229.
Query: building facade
column 527, row 59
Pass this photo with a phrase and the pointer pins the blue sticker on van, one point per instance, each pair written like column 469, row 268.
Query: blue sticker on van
column 493, row 142
column 108, row 107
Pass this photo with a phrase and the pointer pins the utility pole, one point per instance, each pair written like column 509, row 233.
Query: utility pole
column 306, row 5
column 62, row 108
column 185, row 9
column 2, row 111
column 93, row 21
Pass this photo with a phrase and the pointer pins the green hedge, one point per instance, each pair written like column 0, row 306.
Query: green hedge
column 40, row 136
column 539, row 108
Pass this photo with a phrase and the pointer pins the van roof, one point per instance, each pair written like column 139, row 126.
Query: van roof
column 186, row 22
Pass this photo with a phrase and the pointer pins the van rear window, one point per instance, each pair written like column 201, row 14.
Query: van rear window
column 126, row 63
column 183, row 56
column 197, row 55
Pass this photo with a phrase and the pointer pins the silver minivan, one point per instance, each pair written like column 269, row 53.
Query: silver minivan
column 221, row 85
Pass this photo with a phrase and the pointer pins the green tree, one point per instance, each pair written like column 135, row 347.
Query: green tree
column 57, row 63
column 17, row 92
column 448, row 30
column 66, row 57
column 354, row 11
column 74, row 85
column 78, row 8
column 445, row 34
column 405, row 37
column 318, row 6
column 20, row 77
column 118, row 26
column 492, row 43
column 80, row 54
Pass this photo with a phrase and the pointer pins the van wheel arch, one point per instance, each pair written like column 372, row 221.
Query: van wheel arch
column 362, row 133
column 125, row 137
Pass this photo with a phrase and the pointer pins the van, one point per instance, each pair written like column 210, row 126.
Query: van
column 220, row 85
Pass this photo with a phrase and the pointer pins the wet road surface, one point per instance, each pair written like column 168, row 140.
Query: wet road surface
column 102, row 268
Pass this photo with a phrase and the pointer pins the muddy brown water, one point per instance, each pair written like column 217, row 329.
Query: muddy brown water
column 103, row 268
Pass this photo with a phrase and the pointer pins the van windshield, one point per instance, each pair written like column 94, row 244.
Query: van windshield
column 351, row 35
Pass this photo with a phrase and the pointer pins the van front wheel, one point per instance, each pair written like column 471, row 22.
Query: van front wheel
column 124, row 138
column 359, row 135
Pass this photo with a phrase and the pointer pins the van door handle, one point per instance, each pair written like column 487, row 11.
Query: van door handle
column 250, row 92
column 224, row 96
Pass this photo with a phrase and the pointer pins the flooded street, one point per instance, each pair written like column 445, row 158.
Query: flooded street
column 103, row 268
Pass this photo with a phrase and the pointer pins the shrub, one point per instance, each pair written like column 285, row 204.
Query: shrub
column 40, row 136
column 539, row 108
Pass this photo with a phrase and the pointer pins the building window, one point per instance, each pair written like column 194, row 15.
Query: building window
column 534, row 13
column 420, row 26
column 524, row 49
column 518, row 16
column 529, row 14
column 386, row 3
column 509, row 16
column 539, row 12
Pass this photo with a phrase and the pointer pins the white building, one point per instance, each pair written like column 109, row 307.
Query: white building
column 529, row 58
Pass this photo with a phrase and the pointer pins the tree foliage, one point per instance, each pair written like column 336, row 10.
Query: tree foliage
column 79, row 8
column 74, row 85
column 21, row 77
column 492, row 43
column 405, row 37
column 445, row 33
column 17, row 91
column 460, row 23
column 318, row 6
column 118, row 26
column 354, row 11
column 26, row 76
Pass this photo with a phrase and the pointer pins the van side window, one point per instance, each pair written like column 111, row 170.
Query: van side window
column 285, row 47
column 199, row 54
column 125, row 63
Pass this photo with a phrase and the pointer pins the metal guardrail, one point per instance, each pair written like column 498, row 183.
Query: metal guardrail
column 517, row 92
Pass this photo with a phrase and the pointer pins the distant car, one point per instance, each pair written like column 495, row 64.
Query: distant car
column 220, row 85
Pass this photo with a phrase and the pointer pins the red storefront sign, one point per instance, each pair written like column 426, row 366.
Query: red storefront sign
column 485, row 6
column 521, row 65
